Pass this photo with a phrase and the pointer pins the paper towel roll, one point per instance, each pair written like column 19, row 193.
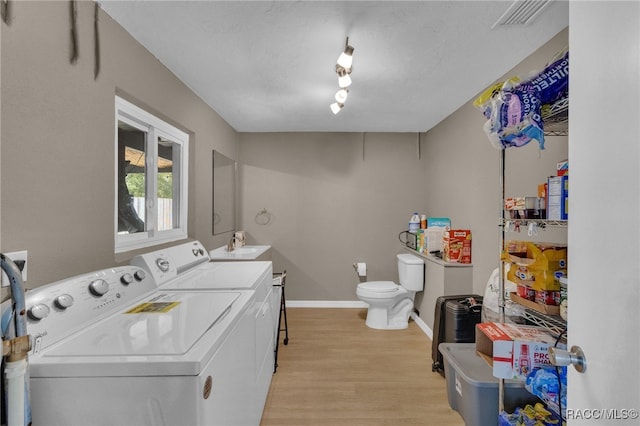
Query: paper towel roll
column 362, row 269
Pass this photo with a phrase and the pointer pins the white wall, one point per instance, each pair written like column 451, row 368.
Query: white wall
column 604, row 253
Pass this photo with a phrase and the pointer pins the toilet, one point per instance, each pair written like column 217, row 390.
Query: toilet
column 390, row 304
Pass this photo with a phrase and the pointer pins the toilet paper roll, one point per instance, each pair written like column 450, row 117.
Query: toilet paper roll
column 362, row 269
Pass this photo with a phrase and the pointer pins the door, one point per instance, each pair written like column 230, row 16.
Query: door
column 604, row 210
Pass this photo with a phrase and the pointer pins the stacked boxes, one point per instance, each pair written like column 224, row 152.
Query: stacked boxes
column 536, row 265
column 525, row 207
column 558, row 197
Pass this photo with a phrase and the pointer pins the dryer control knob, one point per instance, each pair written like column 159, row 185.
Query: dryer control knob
column 126, row 279
column 139, row 275
column 163, row 264
column 99, row 287
column 39, row 311
column 63, row 301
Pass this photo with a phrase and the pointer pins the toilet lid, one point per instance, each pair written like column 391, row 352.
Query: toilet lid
column 380, row 286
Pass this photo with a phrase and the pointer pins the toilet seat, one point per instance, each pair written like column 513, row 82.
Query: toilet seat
column 379, row 289
column 380, row 286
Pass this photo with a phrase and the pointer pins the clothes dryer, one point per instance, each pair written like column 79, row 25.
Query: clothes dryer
column 187, row 268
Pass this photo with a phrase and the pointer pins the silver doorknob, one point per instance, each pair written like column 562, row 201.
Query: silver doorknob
column 562, row 357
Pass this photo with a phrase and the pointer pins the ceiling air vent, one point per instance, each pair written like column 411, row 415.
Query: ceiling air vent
column 521, row 12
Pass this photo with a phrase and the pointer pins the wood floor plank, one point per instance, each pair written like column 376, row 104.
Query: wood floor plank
column 337, row 371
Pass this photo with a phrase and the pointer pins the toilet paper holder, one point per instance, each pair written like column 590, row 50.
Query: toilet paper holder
column 361, row 270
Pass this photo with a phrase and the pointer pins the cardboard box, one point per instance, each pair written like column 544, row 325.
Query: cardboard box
column 563, row 167
column 442, row 222
column 514, row 350
column 540, row 267
column 558, row 198
column 434, row 237
column 457, row 246
column 542, row 190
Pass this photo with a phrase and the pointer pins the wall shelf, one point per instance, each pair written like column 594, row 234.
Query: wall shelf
column 556, row 118
column 555, row 324
column 542, row 223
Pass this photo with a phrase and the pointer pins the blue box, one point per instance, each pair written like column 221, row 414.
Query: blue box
column 558, row 197
column 442, row 222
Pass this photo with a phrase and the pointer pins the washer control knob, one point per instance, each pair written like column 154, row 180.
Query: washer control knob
column 39, row 311
column 163, row 264
column 99, row 287
column 126, row 279
column 63, row 301
column 139, row 275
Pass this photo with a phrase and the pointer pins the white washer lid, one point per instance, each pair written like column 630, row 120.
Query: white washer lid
column 198, row 324
column 166, row 324
column 380, row 286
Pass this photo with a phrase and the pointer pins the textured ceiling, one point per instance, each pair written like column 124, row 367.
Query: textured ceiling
column 269, row 66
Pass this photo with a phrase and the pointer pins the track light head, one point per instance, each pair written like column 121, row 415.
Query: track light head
column 344, row 80
column 341, row 95
column 345, row 59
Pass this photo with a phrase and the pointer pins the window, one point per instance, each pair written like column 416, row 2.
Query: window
column 151, row 185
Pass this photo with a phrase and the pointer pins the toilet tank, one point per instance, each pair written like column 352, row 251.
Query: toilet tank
column 411, row 272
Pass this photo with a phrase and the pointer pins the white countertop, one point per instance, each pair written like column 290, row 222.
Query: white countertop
column 438, row 260
column 242, row 253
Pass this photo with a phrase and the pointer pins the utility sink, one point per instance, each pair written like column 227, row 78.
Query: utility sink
column 241, row 253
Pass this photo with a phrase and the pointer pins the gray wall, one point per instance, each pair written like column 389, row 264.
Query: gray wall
column 57, row 165
column 335, row 199
column 465, row 167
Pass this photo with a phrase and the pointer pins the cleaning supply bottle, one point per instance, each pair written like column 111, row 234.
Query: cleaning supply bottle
column 525, row 361
column 414, row 223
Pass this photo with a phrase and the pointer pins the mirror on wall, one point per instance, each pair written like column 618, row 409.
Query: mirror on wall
column 224, row 193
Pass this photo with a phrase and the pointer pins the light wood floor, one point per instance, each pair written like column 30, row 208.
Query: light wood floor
column 337, row 371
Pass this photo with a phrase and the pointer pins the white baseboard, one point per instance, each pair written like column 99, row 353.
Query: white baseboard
column 422, row 325
column 352, row 304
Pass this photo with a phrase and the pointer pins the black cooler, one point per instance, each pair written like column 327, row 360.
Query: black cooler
column 455, row 320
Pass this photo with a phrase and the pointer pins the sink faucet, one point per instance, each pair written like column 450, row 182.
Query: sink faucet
column 231, row 244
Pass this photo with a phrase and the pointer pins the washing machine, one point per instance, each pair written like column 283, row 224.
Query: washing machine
column 187, row 267
column 111, row 348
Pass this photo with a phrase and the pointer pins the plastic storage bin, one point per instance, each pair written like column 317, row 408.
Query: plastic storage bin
column 473, row 391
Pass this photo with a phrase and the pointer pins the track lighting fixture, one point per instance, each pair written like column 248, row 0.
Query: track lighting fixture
column 336, row 107
column 343, row 69
column 341, row 95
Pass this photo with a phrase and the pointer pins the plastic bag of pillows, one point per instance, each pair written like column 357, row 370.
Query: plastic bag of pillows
column 513, row 108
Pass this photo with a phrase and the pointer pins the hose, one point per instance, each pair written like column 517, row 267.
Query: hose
column 16, row 375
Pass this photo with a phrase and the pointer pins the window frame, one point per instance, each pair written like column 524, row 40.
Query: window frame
column 154, row 127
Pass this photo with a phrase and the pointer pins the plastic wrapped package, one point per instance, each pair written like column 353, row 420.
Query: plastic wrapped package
column 546, row 384
column 490, row 305
column 515, row 117
column 513, row 108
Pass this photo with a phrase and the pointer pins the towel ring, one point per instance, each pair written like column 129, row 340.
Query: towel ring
column 263, row 217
